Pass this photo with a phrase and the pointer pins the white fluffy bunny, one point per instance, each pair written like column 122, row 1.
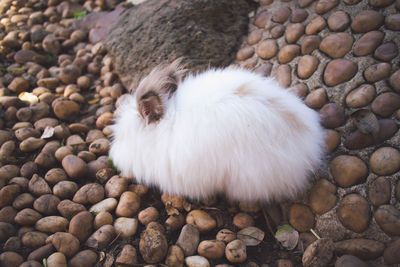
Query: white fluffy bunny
column 223, row 130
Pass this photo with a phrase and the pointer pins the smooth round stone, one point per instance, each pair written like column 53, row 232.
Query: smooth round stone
column 391, row 253
column 317, row 98
column 354, row 213
column 277, row 31
column 379, row 191
column 361, row 96
column 367, row 20
column 298, row 15
column 324, row 6
column 283, row 75
column 392, row 22
column 262, row 19
column 385, row 161
column 395, row 81
column 74, row 166
column 398, row 190
column 336, row 45
column 18, row 85
column 386, row 51
column 319, row 253
column 388, row 219
column 127, row 256
column 368, row 43
column 254, row 36
column 91, row 193
column 339, row 71
column 377, row 72
column 350, row 261
column 225, row 235
column 203, row 221
column 281, row 15
column 386, row 104
column 300, row 90
column 332, row 115
column 81, row 225
column 66, row 109
column 153, row 246
column 365, row 249
column 306, row 66
column 305, row 3
column 85, row 257
column 235, row 251
column 211, row 249
column 52, row 224
column 288, row 53
column 65, row 243
column 189, row 239
column 107, row 204
column 316, row 25
column 332, row 140
column 197, row 261
column 69, row 209
column 294, row 32
column 245, row 53
column 243, row 220
column 301, row 217
column 380, row 3
column 338, row 21
column 264, row 70
column 126, row 227
column 322, row 196
column 309, row 44
column 128, row 205
column 267, row 49
column 348, row 170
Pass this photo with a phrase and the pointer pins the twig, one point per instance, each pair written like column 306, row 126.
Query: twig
column 315, row 234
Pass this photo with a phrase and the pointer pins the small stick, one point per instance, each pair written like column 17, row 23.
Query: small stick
column 315, row 234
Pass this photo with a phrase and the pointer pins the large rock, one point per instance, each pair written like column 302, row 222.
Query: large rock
column 205, row 32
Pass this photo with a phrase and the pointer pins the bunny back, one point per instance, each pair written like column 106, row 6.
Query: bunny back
column 229, row 131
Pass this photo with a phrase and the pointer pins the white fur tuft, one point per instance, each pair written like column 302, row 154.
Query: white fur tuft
column 229, row 131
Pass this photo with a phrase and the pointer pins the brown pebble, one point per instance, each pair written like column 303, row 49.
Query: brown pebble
column 368, row 43
column 153, row 246
column 85, row 257
column 242, row 220
column 386, row 104
column 305, row 3
column 245, row 53
column 392, row 22
column 65, row 243
column 306, row 66
column 262, row 19
column 388, row 219
column 128, row 204
column 309, row 44
column 379, row 191
column 385, row 161
column 46, row 204
column 367, row 20
column 66, row 109
column 361, row 96
column 338, row 21
column 288, row 53
column 322, row 197
column 377, row 72
column 380, row 3
column 267, row 49
column 391, row 254
column 332, row 140
column 323, row 6
column 386, row 51
column 148, row 215
column 298, row 15
column 395, row 81
column 127, row 256
column 277, row 31
column 202, row 220
column 281, row 15
column 332, row 115
column 294, row 32
column 74, row 166
column 316, row 25
column 10, row 258
column 316, row 99
column 300, row 90
column 283, row 75
column 254, row 36
column 18, row 85
column 301, row 217
column 354, row 213
column 319, row 253
column 348, row 170
column 336, row 45
column 338, row 71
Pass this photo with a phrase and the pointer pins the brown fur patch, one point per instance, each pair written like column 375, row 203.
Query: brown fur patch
column 242, row 90
column 288, row 116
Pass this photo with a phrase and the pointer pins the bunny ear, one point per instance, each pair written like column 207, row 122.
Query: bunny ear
column 174, row 73
column 150, row 107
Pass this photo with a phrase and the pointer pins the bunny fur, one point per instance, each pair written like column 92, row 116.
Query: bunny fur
column 223, row 130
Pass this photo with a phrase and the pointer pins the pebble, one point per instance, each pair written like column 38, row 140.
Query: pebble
column 65, row 189
column 306, row 66
column 197, row 261
column 300, row 90
column 34, row 239
column 288, row 53
column 267, row 49
column 262, row 19
column 116, row 186
column 85, row 257
column 235, row 251
column 365, row 249
column 128, row 205
column 386, row 104
column 52, row 224
column 57, row 259
column 31, row 144
column 323, row 6
column 245, row 53
column 332, row 115
column 91, row 193
column 354, row 212
column 127, row 256
column 316, row 25
column 225, row 235
column 175, row 257
column 126, row 227
column 395, row 81
column 148, row 215
column 348, row 170
column 10, row 258
column 81, row 225
column 317, row 98
column 368, row 43
column 388, row 219
column 153, row 246
column 305, row 3
column 38, row 186
column 18, row 85
column 391, row 254
column 283, row 75
column 386, row 51
column 385, row 161
column 338, row 21
column 101, row 238
column 243, row 220
column 322, row 196
column 298, row 15
column 102, row 218
column 211, row 249
column 74, row 166
column 281, row 14
column 301, row 217
column 392, row 22
column 361, row 96
column 107, row 204
column 319, row 253
column 66, row 109
column 350, row 261
column 65, row 243
column 277, row 31
column 337, row 45
column 188, row 239
column 254, row 37
column 332, row 140
column 69, row 209
column 377, row 72
column 294, row 32
column 46, row 204
column 24, row 200
column 55, row 175
column 339, row 71
column 27, row 217
column 379, row 191
column 380, row 3
column 367, row 20
column 8, row 193
column 309, row 44
column 202, row 220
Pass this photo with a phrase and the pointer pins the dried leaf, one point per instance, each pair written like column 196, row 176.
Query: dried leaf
column 170, row 209
column 287, row 236
column 109, row 260
column 251, row 236
column 28, row 97
column 48, row 132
